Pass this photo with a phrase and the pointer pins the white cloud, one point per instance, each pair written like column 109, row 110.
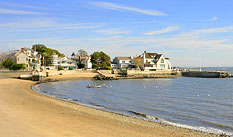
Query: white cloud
column 112, row 31
column 114, row 6
column 200, row 32
column 216, row 30
column 44, row 24
column 16, row 5
column 165, row 30
column 187, row 44
column 145, row 22
column 22, row 12
column 212, row 19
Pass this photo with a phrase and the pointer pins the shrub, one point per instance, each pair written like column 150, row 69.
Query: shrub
column 71, row 68
column 107, row 68
column 80, row 65
column 61, row 68
column 18, row 66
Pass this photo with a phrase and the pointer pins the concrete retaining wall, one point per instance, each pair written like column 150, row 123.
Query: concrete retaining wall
column 12, row 74
column 51, row 73
column 139, row 73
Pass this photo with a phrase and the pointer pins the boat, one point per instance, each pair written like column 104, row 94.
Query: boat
column 94, row 86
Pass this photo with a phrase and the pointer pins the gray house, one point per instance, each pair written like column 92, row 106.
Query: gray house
column 121, row 62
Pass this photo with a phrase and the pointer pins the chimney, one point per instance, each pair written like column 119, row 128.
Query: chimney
column 34, row 48
column 145, row 52
column 22, row 50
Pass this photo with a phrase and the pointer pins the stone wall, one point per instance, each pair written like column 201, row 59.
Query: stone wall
column 139, row 73
column 12, row 74
column 51, row 73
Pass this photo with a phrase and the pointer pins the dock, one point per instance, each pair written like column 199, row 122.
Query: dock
column 105, row 76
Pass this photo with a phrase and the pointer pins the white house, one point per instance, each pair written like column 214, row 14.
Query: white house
column 60, row 62
column 86, row 60
column 152, row 62
column 121, row 62
column 66, row 63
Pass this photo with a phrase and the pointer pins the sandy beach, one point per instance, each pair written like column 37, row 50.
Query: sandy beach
column 25, row 113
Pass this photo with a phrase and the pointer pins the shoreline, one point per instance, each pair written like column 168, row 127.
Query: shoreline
column 136, row 115
column 68, row 114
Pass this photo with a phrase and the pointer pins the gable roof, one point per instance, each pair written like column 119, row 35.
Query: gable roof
column 151, row 55
column 157, row 58
column 18, row 53
column 124, row 58
column 81, row 58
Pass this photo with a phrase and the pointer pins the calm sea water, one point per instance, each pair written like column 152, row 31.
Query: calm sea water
column 198, row 103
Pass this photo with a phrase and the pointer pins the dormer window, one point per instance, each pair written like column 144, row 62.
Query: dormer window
column 162, row 60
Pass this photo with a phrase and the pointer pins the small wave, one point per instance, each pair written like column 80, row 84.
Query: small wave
column 204, row 129
column 217, row 125
column 138, row 114
column 94, row 104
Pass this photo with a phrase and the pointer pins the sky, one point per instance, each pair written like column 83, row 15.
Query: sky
column 190, row 32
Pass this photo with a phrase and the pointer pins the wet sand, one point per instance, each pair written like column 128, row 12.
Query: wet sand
column 25, row 113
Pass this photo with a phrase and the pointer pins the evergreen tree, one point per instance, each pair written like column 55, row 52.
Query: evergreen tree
column 100, row 60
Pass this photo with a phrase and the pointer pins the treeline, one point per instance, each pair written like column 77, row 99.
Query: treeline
column 99, row 60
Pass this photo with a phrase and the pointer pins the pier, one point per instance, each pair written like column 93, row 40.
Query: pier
column 105, row 76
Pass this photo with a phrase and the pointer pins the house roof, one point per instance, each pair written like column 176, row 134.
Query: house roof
column 81, row 58
column 124, row 58
column 157, row 58
column 18, row 52
column 73, row 54
column 151, row 55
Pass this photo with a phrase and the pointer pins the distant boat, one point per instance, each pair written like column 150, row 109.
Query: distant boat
column 94, row 86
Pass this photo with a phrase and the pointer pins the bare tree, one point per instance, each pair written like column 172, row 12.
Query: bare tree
column 4, row 55
column 82, row 53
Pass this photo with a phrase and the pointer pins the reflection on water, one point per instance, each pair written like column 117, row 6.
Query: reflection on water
column 186, row 102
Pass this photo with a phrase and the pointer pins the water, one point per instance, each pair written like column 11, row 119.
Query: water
column 196, row 103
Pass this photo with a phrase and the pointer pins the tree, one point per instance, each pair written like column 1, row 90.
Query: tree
column 46, row 52
column 8, row 63
column 3, row 56
column 138, row 62
column 100, row 60
column 82, row 53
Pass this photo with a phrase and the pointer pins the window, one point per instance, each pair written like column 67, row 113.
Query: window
column 162, row 66
column 123, row 61
column 162, row 60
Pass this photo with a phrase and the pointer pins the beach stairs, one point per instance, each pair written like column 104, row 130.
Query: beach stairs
column 104, row 75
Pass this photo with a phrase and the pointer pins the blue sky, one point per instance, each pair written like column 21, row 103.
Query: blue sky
column 190, row 33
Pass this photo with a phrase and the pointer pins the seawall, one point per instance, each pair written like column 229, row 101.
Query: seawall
column 12, row 74
column 151, row 74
